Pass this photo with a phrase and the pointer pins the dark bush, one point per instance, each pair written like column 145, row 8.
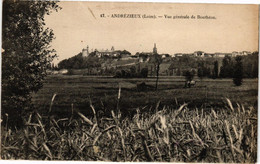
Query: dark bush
column 144, row 72
column 128, row 74
column 188, row 75
column 238, row 71
column 70, row 72
column 118, row 74
column 131, row 73
column 141, row 86
column 123, row 73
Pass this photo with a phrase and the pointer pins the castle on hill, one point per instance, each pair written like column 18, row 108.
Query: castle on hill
column 112, row 52
column 100, row 53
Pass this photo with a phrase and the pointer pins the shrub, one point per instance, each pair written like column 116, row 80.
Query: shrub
column 141, row 86
column 123, row 73
column 188, row 75
column 128, row 73
column 144, row 72
column 70, row 72
column 133, row 71
column 118, row 74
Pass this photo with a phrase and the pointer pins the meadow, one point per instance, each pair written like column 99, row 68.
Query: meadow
column 107, row 119
column 78, row 91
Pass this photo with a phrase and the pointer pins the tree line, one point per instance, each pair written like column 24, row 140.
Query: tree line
column 92, row 61
column 80, row 62
column 203, row 67
column 248, row 65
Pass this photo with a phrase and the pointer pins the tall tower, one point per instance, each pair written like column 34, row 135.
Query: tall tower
column 85, row 52
column 112, row 49
column 154, row 49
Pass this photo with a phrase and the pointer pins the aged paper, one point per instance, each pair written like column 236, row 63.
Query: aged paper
column 129, row 81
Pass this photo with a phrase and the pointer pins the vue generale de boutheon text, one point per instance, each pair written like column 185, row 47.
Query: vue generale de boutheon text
column 164, row 16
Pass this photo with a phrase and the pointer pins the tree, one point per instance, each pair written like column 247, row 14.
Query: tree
column 156, row 59
column 255, row 64
column 178, row 72
column 250, row 65
column 79, row 62
column 199, row 53
column 26, row 54
column 200, row 73
column 125, row 52
column 203, row 70
column 238, row 71
column 138, row 68
column 226, row 69
column 215, row 70
column 171, row 68
column 133, row 71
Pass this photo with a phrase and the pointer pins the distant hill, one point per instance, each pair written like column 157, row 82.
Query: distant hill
column 108, row 65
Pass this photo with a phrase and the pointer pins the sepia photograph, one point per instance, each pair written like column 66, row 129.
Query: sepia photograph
column 129, row 81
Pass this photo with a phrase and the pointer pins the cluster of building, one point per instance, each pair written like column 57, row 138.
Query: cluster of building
column 217, row 54
column 145, row 56
column 142, row 57
column 101, row 53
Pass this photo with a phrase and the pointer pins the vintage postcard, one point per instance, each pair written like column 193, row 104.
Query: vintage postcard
column 129, row 81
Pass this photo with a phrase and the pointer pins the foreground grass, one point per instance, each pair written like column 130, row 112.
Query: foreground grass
column 179, row 135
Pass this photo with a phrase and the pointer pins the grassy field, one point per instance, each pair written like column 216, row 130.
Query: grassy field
column 77, row 91
column 172, row 135
column 137, row 126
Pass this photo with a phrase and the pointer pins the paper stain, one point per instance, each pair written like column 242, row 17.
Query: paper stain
column 91, row 12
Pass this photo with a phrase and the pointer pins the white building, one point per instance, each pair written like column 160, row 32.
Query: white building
column 85, row 52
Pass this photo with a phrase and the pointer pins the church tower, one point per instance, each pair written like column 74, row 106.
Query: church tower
column 112, row 49
column 154, row 49
column 85, row 52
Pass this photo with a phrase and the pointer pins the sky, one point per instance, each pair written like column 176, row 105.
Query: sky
column 79, row 24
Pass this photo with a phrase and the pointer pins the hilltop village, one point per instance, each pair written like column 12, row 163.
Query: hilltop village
column 109, row 62
column 144, row 56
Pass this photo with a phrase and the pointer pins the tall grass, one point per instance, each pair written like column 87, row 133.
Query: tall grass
column 179, row 135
